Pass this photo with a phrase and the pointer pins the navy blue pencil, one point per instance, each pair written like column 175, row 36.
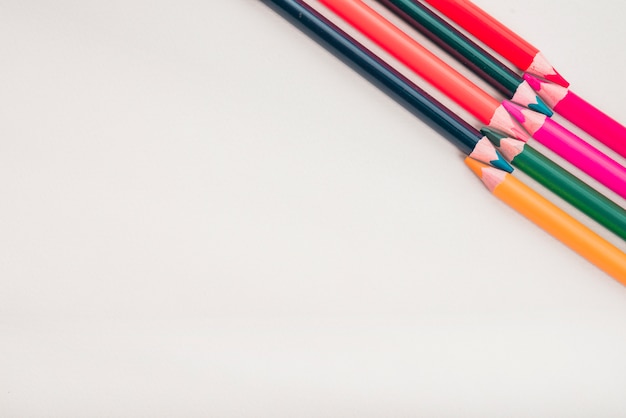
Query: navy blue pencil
column 464, row 136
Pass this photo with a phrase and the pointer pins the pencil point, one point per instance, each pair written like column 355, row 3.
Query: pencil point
column 531, row 121
column 507, row 146
column 541, row 67
column 535, row 82
column 491, row 177
column 493, row 135
column 504, row 122
column 550, row 92
column 485, row 152
column 526, row 96
column 514, row 110
column 476, row 166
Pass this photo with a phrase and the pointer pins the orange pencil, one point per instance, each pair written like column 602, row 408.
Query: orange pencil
column 552, row 219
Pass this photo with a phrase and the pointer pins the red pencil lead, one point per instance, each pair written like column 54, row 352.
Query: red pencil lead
column 541, row 67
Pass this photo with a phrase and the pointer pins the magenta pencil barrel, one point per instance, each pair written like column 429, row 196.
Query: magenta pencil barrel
column 584, row 156
column 593, row 121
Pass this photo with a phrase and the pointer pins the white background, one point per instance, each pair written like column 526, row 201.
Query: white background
column 204, row 213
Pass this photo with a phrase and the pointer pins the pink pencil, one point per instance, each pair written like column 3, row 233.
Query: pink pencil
column 572, row 148
column 581, row 113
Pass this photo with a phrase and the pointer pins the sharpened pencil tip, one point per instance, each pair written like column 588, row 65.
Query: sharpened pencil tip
column 490, row 176
column 557, row 78
column 550, row 92
column 541, row 67
column 534, row 81
column 531, row 121
column 525, row 95
column 507, row 146
column 494, row 136
column 541, row 107
column 513, row 109
column 476, row 166
column 501, row 163
column 486, row 152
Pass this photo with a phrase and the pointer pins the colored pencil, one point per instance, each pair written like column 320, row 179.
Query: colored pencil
column 563, row 101
column 486, row 108
column 561, row 182
column 498, row 37
column 457, row 45
column 581, row 113
column 565, row 143
column 577, row 193
column 466, row 138
column 552, row 219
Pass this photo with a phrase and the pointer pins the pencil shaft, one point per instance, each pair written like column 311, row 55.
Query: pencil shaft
column 498, row 37
column 489, row 30
column 460, row 133
column 456, row 44
column 583, row 155
column 561, row 182
column 572, row 148
column 581, row 113
column 417, row 58
column 572, row 190
column 563, row 227
column 593, row 121
column 553, row 220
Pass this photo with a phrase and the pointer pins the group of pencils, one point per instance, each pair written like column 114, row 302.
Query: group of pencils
column 533, row 92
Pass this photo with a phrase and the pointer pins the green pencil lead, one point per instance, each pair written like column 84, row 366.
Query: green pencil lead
column 494, row 136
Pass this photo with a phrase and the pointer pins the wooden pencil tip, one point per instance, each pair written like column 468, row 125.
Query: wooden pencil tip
column 476, row 166
column 490, row 176
column 557, row 79
column 535, row 82
column 531, row 121
column 550, row 92
column 493, row 135
column 485, row 152
column 541, row 67
column 526, row 96
column 512, row 108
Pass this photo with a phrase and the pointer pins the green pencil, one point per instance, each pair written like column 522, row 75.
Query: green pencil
column 561, row 182
column 456, row 44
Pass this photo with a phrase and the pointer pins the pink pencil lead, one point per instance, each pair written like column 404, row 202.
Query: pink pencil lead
column 551, row 93
column 531, row 121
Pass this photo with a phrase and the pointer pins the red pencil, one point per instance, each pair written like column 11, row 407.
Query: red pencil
column 498, row 37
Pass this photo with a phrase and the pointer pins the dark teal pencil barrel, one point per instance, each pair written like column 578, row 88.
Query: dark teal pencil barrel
column 456, row 44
